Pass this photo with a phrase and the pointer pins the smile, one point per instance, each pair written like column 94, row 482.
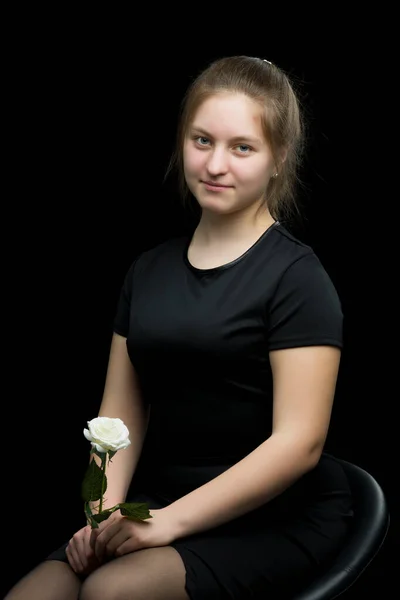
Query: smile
column 209, row 185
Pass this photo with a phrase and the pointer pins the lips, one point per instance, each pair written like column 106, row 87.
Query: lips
column 215, row 184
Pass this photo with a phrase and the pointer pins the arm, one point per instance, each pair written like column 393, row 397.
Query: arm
column 122, row 398
column 304, row 386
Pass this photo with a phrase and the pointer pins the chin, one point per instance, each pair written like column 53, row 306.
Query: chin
column 214, row 204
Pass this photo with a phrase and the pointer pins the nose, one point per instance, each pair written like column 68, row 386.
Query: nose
column 217, row 163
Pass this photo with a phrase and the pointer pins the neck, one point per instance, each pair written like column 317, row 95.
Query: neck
column 217, row 230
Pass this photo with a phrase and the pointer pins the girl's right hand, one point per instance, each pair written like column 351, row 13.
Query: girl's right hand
column 80, row 554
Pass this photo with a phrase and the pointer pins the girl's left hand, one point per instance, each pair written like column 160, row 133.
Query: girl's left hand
column 121, row 535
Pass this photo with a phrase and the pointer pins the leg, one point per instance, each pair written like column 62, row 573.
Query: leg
column 50, row 580
column 150, row 574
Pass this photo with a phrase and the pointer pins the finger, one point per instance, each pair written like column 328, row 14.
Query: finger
column 100, row 545
column 103, row 538
column 94, row 534
column 115, row 542
column 73, row 557
column 92, row 538
column 126, row 547
column 98, row 530
column 89, row 551
column 80, row 547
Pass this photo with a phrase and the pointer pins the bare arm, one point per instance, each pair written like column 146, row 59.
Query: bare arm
column 304, row 386
column 122, row 399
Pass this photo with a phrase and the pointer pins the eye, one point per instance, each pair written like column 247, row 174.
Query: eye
column 243, row 148
column 201, row 140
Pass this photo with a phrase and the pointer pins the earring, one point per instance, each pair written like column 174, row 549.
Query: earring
column 275, row 175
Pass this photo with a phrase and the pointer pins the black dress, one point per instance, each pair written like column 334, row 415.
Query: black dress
column 200, row 341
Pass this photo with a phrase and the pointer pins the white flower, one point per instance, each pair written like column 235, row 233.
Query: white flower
column 107, row 434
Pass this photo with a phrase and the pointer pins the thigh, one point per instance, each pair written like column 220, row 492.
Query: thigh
column 153, row 573
column 51, row 580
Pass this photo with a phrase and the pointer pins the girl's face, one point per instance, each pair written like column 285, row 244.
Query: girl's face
column 227, row 161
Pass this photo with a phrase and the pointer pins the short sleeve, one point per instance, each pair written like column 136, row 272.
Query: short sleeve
column 122, row 314
column 305, row 309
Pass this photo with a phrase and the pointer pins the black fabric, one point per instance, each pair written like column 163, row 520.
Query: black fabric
column 200, row 342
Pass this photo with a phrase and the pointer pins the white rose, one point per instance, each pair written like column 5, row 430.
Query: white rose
column 107, row 434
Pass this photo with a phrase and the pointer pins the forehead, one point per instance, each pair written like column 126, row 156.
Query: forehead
column 229, row 115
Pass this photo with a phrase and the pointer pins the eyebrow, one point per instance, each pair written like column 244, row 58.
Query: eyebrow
column 237, row 138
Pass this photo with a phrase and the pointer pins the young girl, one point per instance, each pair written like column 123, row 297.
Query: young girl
column 223, row 366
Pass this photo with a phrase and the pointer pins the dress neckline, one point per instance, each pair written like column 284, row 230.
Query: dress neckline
column 229, row 264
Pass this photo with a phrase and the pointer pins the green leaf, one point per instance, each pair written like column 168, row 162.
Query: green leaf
column 91, row 486
column 111, row 453
column 99, row 517
column 136, row 511
column 93, row 523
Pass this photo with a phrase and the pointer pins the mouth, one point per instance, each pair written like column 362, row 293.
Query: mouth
column 215, row 185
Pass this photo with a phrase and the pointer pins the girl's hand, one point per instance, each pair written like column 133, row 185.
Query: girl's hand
column 80, row 554
column 122, row 535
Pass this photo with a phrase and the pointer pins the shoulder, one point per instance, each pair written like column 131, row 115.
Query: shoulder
column 159, row 247
column 163, row 250
column 304, row 308
column 296, row 260
column 287, row 246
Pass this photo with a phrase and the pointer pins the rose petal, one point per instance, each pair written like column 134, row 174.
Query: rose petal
column 87, row 435
column 99, row 448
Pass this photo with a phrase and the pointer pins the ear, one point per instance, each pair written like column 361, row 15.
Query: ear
column 282, row 157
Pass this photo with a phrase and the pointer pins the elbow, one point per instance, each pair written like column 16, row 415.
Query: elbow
column 305, row 450
column 313, row 451
column 312, row 442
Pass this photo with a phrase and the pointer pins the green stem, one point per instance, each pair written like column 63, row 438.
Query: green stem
column 103, row 468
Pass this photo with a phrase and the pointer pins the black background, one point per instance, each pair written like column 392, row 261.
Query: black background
column 93, row 102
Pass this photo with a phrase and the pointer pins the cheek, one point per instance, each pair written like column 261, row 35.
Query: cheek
column 252, row 174
column 193, row 161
